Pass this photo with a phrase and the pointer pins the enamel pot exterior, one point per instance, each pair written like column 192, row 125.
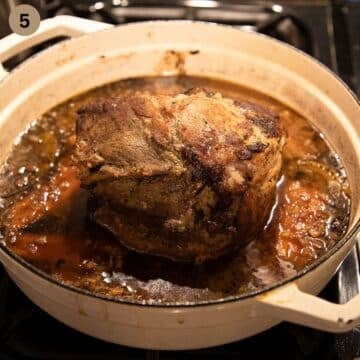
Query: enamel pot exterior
column 170, row 48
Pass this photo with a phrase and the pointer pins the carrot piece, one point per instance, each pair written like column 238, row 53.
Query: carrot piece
column 302, row 224
column 43, row 200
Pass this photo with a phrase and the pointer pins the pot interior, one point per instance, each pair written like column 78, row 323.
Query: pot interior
column 250, row 60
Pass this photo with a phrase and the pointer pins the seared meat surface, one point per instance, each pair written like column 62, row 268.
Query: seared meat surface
column 189, row 177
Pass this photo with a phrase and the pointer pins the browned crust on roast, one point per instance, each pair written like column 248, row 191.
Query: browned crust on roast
column 266, row 118
column 204, row 167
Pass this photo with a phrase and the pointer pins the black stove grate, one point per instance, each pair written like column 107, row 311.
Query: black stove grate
column 329, row 32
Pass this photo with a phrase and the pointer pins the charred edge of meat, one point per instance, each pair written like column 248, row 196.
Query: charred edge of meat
column 244, row 153
column 199, row 90
column 98, row 107
column 209, row 175
column 265, row 118
column 257, row 147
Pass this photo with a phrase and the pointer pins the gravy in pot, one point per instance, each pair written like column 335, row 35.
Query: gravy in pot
column 45, row 217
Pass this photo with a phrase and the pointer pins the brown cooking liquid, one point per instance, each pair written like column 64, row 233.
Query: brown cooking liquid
column 46, row 216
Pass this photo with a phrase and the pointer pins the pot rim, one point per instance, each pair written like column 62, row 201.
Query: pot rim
column 191, row 304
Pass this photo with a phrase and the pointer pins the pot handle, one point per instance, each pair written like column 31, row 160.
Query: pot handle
column 291, row 304
column 63, row 25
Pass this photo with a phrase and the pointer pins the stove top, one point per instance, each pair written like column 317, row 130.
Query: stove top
column 327, row 30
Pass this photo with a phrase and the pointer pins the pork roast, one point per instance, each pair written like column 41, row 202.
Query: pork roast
column 189, row 177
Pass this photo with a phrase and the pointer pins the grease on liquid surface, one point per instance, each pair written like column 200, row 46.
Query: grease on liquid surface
column 45, row 216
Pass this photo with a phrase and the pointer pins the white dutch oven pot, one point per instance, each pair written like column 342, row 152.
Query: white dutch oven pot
column 134, row 50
